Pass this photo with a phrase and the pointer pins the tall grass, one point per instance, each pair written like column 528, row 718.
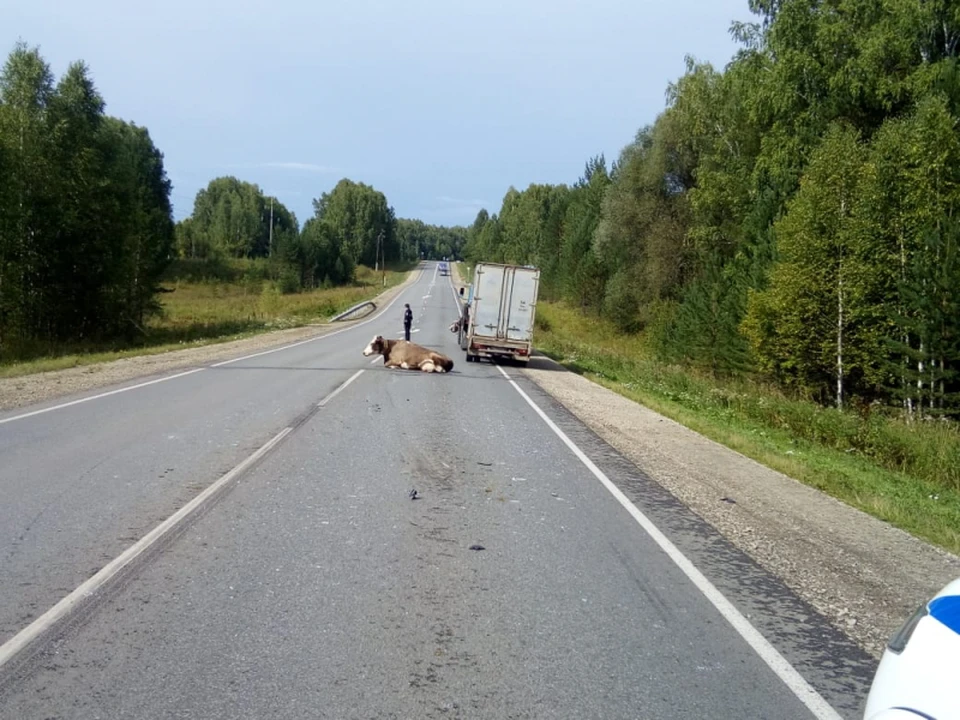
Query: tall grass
column 213, row 301
column 905, row 472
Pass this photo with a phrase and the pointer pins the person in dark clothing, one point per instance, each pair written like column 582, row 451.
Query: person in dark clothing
column 407, row 321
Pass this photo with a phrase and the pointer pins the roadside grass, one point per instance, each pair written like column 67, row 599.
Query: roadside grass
column 202, row 309
column 907, row 474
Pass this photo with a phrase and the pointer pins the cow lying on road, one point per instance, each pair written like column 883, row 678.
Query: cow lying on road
column 407, row 355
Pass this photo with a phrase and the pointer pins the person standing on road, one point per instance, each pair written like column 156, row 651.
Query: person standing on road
column 407, row 321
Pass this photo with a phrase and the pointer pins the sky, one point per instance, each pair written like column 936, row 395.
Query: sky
column 442, row 105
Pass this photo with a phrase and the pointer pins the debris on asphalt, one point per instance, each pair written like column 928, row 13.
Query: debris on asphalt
column 477, row 547
column 414, row 495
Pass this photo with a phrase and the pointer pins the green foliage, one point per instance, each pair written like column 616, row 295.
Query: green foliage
column 417, row 240
column 620, row 301
column 905, row 472
column 645, row 215
column 233, row 218
column 814, row 306
column 86, row 230
column 363, row 225
column 791, row 217
column 85, row 216
column 703, row 329
column 352, row 225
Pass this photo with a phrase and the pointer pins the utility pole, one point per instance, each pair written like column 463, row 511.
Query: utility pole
column 383, row 259
column 270, row 247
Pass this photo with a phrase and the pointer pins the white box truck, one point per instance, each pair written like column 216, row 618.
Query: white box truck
column 500, row 312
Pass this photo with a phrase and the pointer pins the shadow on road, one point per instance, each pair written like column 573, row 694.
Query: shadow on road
column 537, row 362
column 283, row 367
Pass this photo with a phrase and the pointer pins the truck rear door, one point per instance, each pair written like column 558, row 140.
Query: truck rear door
column 522, row 291
column 487, row 300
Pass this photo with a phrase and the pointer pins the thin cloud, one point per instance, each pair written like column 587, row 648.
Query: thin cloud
column 299, row 166
column 461, row 202
column 308, row 167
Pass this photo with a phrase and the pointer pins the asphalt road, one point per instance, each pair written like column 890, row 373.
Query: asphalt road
column 516, row 585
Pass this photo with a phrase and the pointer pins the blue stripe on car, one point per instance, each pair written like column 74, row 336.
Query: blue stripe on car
column 947, row 610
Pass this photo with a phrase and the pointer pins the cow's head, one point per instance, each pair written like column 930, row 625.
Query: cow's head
column 375, row 347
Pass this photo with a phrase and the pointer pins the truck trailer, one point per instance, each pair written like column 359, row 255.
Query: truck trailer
column 500, row 313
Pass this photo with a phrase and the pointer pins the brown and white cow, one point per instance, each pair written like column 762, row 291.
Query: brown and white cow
column 407, row 355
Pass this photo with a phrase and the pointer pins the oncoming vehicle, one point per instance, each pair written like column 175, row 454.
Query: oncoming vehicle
column 919, row 673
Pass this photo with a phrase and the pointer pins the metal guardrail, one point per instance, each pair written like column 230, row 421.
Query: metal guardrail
column 346, row 313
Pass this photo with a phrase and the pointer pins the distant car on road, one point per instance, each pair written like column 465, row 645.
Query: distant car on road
column 919, row 673
column 444, row 269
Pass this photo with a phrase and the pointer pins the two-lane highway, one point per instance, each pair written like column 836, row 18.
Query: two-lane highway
column 83, row 480
column 518, row 582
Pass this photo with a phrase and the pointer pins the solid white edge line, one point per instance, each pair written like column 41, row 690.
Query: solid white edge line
column 456, row 295
column 101, row 395
column 30, row 633
column 196, row 370
column 343, row 387
column 769, row 654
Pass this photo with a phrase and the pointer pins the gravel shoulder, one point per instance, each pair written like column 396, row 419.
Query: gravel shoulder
column 42, row 387
column 864, row 575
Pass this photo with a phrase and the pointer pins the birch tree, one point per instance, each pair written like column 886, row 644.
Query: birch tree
column 805, row 327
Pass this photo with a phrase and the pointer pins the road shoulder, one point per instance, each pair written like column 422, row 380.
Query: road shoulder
column 862, row 574
column 27, row 390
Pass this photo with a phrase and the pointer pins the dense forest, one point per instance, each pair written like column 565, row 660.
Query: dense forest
column 792, row 217
column 85, row 217
column 352, row 225
column 87, row 229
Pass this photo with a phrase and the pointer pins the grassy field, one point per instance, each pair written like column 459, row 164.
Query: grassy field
column 907, row 474
column 200, row 310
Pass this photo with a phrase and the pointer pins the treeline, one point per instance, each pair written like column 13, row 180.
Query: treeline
column 430, row 242
column 87, row 231
column 794, row 216
column 85, row 217
column 352, row 225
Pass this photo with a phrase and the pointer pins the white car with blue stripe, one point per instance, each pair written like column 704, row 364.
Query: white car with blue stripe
column 919, row 673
